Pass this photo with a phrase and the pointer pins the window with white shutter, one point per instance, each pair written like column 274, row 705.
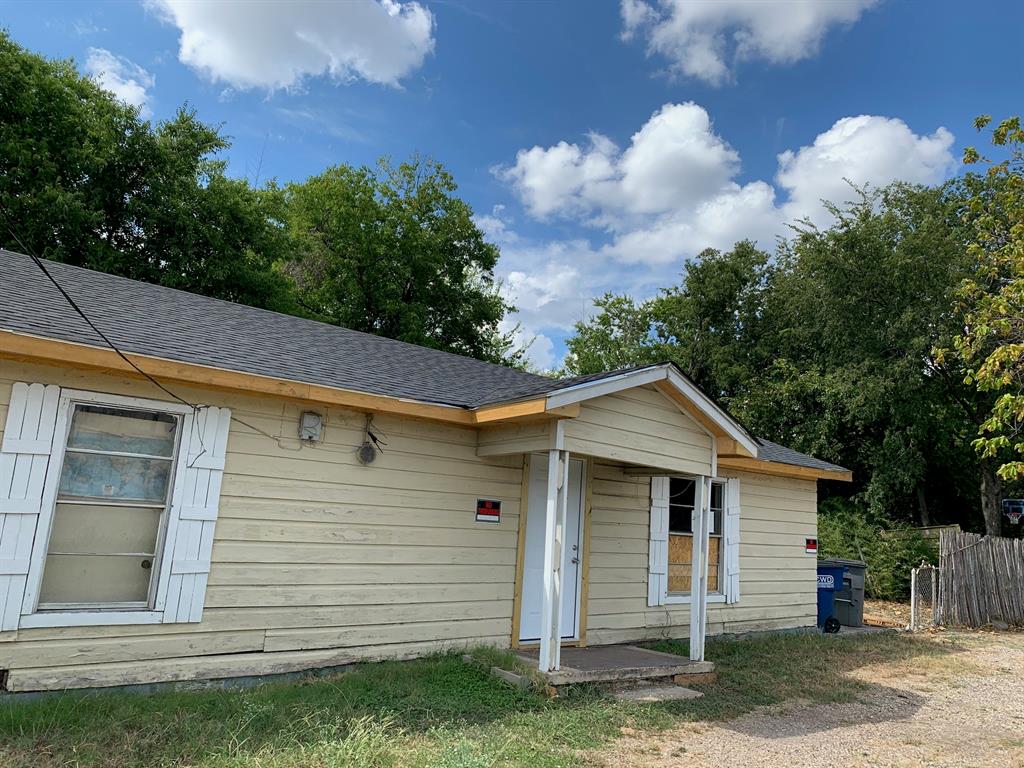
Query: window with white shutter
column 24, row 458
column 125, row 506
column 657, row 576
column 673, row 501
column 731, row 535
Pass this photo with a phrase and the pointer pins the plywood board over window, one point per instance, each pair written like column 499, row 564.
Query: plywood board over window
column 680, row 556
column 680, row 536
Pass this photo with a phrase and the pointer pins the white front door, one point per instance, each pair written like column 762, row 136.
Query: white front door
column 572, row 553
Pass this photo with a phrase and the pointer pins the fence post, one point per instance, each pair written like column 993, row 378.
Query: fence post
column 913, row 599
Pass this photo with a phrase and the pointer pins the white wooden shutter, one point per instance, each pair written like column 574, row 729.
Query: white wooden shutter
column 194, row 514
column 24, row 456
column 657, row 570
column 731, row 534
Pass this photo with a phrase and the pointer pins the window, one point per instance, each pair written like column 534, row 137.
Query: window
column 681, row 496
column 111, row 509
column 115, row 502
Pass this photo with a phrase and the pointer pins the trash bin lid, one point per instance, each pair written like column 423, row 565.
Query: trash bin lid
column 838, row 562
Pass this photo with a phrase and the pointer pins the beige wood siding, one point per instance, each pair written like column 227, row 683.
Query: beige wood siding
column 317, row 560
column 777, row 579
column 516, row 438
column 640, row 426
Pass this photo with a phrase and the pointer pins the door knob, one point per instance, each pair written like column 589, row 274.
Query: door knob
column 575, row 561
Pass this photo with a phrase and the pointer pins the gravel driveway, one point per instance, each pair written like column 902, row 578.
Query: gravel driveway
column 966, row 709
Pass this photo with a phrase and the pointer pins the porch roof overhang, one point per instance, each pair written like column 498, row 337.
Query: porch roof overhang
column 678, row 387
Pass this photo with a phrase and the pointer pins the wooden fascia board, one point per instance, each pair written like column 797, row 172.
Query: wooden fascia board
column 726, row 442
column 524, row 410
column 17, row 346
column 779, row 469
column 711, row 410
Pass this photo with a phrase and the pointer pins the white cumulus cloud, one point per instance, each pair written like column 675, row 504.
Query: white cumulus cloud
column 704, row 38
column 276, row 43
column 122, row 77
column 861, row 150
column 674, row 160
column 674, row 191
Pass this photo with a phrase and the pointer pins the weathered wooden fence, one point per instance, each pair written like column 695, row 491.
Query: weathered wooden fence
column 981, row 580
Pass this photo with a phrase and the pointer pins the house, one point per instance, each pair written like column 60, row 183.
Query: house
column 247, row 493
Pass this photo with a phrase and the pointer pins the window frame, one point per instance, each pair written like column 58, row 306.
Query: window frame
column 152, row 611
column 719, row 595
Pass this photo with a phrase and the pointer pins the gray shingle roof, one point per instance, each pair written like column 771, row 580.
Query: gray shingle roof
column 153, row 320
column 770, row 451
column 163, row 322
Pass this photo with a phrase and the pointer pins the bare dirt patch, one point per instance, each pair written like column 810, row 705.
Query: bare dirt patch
column 887, row 613
column 959, row 709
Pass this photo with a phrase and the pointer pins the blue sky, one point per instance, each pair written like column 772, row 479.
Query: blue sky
column 600, row 143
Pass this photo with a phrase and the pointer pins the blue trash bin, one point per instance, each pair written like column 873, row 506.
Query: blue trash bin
column 830, row 580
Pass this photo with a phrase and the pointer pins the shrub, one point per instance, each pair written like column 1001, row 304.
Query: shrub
column 890, row 551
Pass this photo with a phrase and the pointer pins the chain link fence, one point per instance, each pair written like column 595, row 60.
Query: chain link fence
column 924, row 597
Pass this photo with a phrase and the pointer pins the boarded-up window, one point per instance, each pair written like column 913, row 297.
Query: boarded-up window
column 111, row 505
column 682, row 492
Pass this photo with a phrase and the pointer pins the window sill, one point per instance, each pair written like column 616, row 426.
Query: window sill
column 89, row 618
column 685, row 599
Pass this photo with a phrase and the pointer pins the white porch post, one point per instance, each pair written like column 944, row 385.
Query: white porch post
column 554, row 536
column 699, row 565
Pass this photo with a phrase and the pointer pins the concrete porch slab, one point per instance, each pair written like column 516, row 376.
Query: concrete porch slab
column 610, row 663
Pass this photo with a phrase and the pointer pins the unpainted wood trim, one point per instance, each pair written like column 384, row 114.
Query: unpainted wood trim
column 16, row 346
column 517, row 592
column 584, row 596
column 35, row 349
column 523, row 411
column 686, row 406
column 778, row 469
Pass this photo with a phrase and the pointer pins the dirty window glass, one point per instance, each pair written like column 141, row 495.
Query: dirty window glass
column 111, row 504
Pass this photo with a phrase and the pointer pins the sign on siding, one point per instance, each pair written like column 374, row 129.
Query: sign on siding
column 488, row 511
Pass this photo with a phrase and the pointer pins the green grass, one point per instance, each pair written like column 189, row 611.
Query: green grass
column 439, row 712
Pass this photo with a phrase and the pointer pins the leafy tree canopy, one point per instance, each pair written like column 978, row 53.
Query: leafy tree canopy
column 393, row 251
column 992, row 297
column 84, row 180
column 827, row 346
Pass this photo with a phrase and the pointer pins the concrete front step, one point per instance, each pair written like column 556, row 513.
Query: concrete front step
column 615, row 663
column 655, row 693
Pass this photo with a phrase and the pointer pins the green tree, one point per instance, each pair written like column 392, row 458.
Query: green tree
column 709, row 324
column 393, row 251
column 827, row 347
column 84, row 180
column 856, row 310
column 991, row 301
column 618, row 336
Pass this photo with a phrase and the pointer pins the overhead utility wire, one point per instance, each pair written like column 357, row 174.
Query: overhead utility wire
column 195, row 407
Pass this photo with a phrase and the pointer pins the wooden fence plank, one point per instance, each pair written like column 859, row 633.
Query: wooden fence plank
column 981, row 580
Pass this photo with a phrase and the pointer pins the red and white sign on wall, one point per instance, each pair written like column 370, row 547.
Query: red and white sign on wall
column 811, row 546
column 488, row 511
